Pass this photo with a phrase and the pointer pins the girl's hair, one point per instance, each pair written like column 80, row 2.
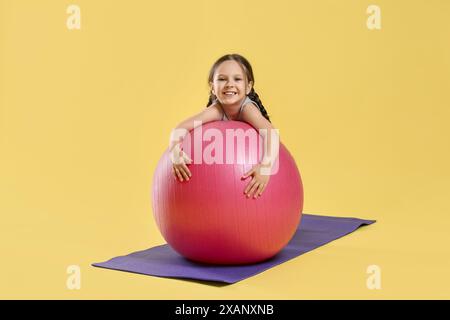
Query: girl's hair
column 249, row 73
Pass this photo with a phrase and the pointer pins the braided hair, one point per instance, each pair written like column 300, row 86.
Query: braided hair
column 250, row 78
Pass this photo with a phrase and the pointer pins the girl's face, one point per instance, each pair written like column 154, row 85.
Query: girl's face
column 230, row 84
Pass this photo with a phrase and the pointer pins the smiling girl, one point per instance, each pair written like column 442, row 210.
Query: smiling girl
column 232, row 97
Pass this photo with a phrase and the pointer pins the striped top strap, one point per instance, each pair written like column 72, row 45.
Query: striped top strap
column 244, row 102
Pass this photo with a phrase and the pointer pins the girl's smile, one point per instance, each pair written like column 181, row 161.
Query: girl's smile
column 230, row 84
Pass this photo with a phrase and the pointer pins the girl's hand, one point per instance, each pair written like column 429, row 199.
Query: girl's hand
column 179, row 163
column 258, row 183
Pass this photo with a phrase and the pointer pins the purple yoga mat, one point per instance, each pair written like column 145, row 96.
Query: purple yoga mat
column 162, row 261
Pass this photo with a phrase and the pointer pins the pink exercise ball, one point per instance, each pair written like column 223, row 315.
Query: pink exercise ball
column 209, row 219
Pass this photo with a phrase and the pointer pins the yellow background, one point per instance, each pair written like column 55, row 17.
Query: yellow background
column 86, row 114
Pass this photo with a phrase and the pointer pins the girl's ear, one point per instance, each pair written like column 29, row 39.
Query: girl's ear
column 249, row 87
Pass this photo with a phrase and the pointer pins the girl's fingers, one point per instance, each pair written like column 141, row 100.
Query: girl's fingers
column 249, row 185
column 260, row 190
column 186, row 169
column 183, row 172
column 178, row 174
column 264, row 188
column 252, row 189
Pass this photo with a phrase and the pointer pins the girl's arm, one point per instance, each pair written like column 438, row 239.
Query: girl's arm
column 261, row 172
column 178, row 157
column 212, row 113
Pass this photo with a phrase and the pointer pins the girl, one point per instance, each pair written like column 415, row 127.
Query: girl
column 232, row 97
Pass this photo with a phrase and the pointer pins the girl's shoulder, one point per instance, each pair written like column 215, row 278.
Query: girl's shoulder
column 247, row 102
column 212, row 112
column 252, row 113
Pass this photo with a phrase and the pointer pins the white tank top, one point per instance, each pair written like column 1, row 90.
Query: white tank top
column 244, row 102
